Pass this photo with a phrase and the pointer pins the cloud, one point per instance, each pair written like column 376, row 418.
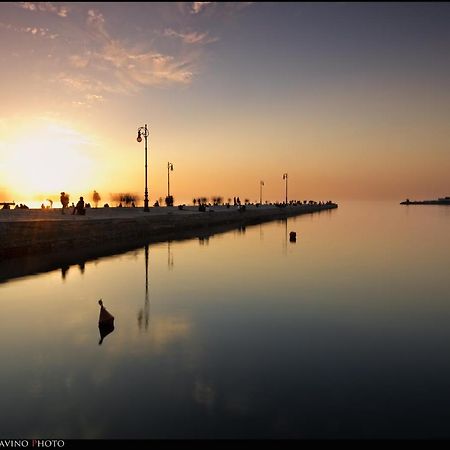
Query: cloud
column 131, row 67
column 116, row 69
column 112, row 66
column 35, row 31
column 135, row 69
column 88, row 100
column 80, row 61
column 197, row 7
column 220, row 7
column 83, row 83
column 96, row 20
column 61, row 11
column 191, row 37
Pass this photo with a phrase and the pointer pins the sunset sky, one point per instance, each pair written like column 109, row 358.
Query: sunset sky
column 352, row 100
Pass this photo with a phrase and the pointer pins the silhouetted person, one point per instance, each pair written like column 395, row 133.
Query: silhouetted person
column 105, row 322
column 79, row 208
column 96, row 198
column 64, row 199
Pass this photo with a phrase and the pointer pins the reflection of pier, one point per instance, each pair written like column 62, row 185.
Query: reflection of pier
column 11, row 268
column 144, row 313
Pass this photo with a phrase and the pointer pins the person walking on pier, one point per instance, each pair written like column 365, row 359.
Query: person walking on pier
column 64, row 199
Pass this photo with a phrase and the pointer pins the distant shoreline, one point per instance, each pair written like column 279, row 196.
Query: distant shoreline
column 36, row 232
column 439, row 201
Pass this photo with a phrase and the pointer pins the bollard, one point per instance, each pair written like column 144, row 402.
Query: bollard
column 292, row 236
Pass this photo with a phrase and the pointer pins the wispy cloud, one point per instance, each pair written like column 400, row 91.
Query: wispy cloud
column 112, row 67
column 59, row 10
column 88, row 100
column 219, row 7
column 96, row 23
column 136, row 69
column 35, row 31
column 191, row 37
column 197, row 7
column 123, row 69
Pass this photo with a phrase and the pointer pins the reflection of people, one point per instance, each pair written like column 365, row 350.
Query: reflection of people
column 64, row 270
column 79, row 208
column 81, row 266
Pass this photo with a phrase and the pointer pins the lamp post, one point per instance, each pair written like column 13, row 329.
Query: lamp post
column 143, row 131
column 169, row 168
column 261, row 184
column 285, row 177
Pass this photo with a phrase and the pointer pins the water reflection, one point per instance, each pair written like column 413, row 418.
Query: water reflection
column 203, row 240
column 63, row 261
column 65, row 268
column 81, row 266
column 144, row 313
column 285, row 239
column 346, row 337
column 169, row 256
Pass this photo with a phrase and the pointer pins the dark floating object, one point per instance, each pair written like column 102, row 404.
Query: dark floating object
column 105, row 322
column 293, row 236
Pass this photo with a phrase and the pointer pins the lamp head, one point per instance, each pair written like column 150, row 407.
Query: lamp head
column 139, row 139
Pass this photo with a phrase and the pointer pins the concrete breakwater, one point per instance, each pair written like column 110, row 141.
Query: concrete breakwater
column 36, row 232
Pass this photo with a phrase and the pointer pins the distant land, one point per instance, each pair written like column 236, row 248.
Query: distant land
column 439, row 201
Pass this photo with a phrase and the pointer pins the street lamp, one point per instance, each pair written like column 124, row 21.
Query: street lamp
column 169, row 168
column 261, row 184
column 143, row 131
column 285, row 177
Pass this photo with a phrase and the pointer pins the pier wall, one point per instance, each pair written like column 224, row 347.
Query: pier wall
column 38, row 237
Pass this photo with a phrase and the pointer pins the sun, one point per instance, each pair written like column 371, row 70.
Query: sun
column 48, row 160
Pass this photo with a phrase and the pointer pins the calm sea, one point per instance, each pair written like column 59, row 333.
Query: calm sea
column 343, row 334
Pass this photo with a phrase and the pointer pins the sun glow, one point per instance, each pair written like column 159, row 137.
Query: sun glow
column 47, row 160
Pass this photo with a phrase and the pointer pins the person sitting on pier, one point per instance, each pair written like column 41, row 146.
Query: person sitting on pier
column 79, row 208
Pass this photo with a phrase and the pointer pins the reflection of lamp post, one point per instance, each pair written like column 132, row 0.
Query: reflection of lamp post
column 169, row 257
column 261, row 184
column 145, row 312
column 285, row 177
column 169, row 168
column 144, row 131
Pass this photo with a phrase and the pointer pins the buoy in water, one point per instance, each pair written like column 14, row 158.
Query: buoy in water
column 105, row 322
column 292, row 236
